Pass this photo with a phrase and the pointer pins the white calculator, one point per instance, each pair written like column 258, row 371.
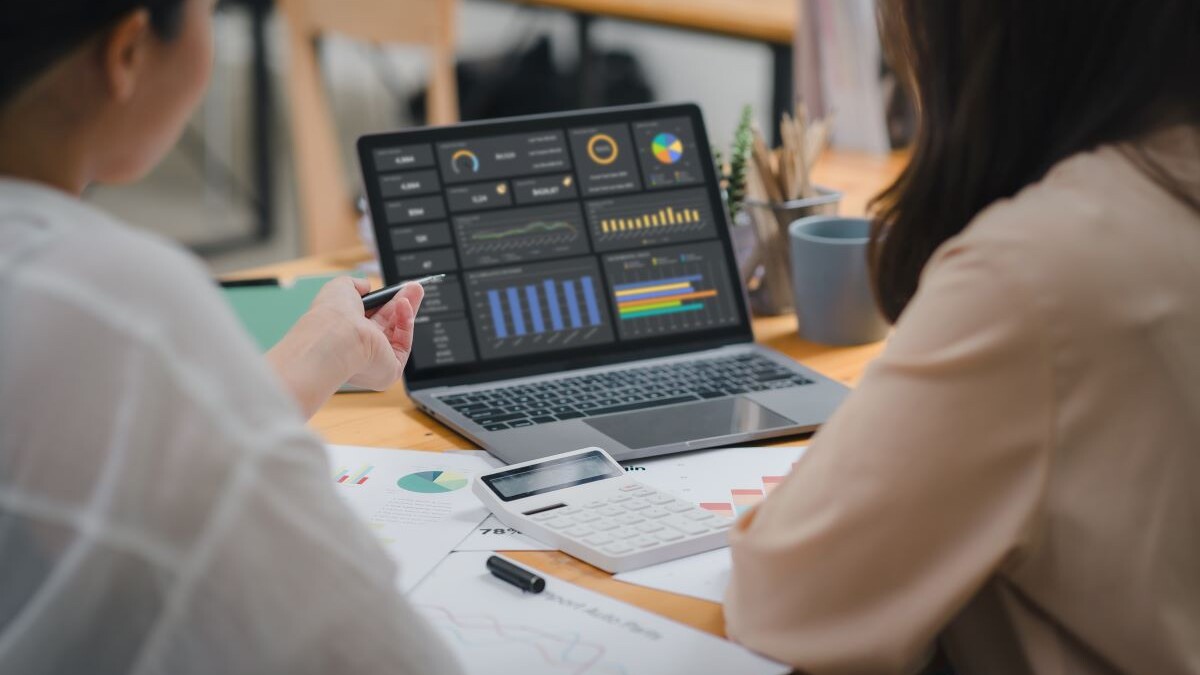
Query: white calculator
column 583, row 503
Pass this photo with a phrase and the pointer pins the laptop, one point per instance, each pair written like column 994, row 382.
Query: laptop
column 592, row 296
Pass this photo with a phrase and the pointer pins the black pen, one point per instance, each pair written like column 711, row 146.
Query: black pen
column 515, row 575
column 379, row 298
column 248, row 283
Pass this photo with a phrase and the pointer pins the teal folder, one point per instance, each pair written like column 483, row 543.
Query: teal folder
column 268, row 312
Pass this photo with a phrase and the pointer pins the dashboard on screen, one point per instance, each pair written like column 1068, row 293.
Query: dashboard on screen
column 564, row 238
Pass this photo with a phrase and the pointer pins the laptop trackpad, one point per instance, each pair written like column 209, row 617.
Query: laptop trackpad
column 694, row 421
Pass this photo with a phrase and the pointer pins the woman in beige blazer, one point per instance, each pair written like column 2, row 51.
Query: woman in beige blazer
column 1015, row 478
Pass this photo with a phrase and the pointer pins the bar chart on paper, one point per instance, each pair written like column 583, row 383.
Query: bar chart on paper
column 742, row 499
column 728, row 482
column 356, row 478
column 650, row 219
column 677, row 289
column 536, row 308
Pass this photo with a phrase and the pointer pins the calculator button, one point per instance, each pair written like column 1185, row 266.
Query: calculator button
column 679, row 507
column 578, row 531
column 559, row 523
column 610, row 511
column 586, row 518
column 698, row 515
column 544, row 516
column 720, row 524
column 649, row 527
column 630, row 488
column 687, row 527
column 616, row 548
column 645, row 492
column 598, row 540
column 643, row 542
column 629, row 519
column 626, row 533
column 655, row 512
column 619, row 498
column 659, row 500
column 669, row 535
column 605, row 525
column 594, row 505
column 636, row 505
column 569, row 511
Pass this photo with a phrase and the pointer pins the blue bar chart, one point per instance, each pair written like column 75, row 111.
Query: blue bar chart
column 509, row 311
column 541, row 307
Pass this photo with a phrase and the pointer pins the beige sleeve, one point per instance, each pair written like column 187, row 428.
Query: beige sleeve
column 917, row 490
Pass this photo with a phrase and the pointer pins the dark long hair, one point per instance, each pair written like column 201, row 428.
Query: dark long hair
column 34, row 34
column 1005, row 89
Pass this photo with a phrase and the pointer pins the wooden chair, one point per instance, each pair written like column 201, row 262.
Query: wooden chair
column 326, row 203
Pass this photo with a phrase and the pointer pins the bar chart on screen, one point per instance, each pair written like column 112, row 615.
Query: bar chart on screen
column 541, row 307
column 650, row 219
column 672, row 290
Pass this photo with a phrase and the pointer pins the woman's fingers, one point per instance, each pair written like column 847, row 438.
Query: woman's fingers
column 401, row 335
column 385, row 317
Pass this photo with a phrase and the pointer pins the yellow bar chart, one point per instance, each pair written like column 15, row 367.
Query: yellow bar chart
column 650, row 219
column 664, row 217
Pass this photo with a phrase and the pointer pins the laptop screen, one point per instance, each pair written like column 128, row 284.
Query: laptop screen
column 568, row 240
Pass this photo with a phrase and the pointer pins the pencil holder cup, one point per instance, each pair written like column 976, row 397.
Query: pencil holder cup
column 765, row 261
column 832, row 284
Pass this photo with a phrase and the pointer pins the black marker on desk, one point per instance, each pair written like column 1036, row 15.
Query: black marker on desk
column 515, row 575
column 379, row 298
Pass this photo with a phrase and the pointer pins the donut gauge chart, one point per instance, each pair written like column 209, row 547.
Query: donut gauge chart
column 602, row 149
column 464, row 161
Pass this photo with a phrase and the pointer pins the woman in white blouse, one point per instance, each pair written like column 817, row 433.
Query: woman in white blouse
column 162, row 507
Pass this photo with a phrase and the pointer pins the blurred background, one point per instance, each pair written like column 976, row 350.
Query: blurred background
column 291, row 74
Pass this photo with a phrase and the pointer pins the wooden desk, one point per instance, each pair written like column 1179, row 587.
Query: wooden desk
column 389, row 419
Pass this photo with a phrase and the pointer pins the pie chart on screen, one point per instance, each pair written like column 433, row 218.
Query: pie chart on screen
column 667, row 148
column 432, row 482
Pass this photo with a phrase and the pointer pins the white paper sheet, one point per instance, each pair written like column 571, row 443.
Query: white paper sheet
column 729, row 478
column 493, row 535
column 419, row 504
column 704, row 575
column 496, row 629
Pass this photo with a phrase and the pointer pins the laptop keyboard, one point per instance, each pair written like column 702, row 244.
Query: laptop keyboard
column 618, row 391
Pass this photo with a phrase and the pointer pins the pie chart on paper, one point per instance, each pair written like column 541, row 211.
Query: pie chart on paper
column 667, row 148
column 432, row 482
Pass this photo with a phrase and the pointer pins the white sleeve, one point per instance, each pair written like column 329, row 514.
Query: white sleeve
column 163, row 509
column 286, row 580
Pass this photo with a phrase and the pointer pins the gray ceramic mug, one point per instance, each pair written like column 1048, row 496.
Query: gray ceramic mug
column 831, row 283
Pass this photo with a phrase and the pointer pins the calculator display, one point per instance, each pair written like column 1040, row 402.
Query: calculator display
column 552, row 475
